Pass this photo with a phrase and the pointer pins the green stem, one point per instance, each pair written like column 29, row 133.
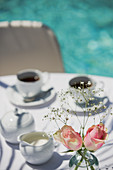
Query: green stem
column 57, row 124
column 76, row 115
column 86, row 160
column 77, row 166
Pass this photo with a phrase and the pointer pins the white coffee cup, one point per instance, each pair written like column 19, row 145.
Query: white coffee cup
column 84, row 88
column 30, row 82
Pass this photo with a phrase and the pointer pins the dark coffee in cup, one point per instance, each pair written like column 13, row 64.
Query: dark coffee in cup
column 28, row 77
column 29, row 82
column 76, row 82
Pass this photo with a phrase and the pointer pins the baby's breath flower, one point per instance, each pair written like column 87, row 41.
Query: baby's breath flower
column 91, row 98
column 96, row 107
column 100, row 103
column 67, row 118
column 93, row 91
column 90, row 114
column 104, row 107
column 81, row 98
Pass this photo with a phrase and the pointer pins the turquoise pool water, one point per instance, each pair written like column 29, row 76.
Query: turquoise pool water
column 84, row 29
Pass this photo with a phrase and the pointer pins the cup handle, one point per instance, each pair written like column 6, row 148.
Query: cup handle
column 100, row 86
column 46, row 76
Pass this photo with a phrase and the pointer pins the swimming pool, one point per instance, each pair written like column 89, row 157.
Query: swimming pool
column 84, row 29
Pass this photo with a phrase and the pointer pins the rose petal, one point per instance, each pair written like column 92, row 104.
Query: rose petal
column 67, row 136
column 95, row 137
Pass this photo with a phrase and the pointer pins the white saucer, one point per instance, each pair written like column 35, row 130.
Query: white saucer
column 80, row 108
column 16, row 98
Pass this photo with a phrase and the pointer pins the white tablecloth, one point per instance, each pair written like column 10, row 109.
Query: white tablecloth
column 10, row 156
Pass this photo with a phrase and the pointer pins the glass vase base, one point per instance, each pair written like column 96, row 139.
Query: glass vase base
column 83, row 161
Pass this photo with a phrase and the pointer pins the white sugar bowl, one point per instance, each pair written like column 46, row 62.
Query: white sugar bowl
column 14, row 123
column 36, row 147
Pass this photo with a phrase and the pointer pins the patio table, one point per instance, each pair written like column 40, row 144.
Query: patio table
column 10, row 156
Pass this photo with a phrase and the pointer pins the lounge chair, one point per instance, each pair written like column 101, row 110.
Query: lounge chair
column 28, row 44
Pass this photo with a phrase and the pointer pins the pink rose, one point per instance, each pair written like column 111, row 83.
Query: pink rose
column 95, row 137
column 69, row 138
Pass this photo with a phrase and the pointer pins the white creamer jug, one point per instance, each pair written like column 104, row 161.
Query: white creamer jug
column 36, row 147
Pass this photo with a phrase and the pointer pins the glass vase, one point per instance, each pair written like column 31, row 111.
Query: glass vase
column 83, row 159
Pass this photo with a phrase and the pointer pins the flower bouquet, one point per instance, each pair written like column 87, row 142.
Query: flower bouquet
column 85, row 141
